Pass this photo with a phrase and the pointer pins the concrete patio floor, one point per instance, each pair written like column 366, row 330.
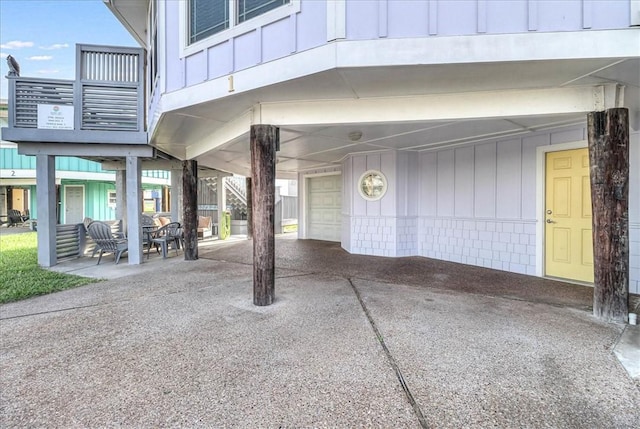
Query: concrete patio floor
column 176, row 343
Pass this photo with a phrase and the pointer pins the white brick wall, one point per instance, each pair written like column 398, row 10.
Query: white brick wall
column 497, row 244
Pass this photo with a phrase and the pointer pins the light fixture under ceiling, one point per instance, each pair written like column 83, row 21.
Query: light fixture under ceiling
column 354, row 136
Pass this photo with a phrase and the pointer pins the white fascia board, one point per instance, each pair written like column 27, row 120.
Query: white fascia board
column 137, row 33
column 465, row 106
column 623, row 43
column 228, row 132
column 417, row 51
column 291, row 67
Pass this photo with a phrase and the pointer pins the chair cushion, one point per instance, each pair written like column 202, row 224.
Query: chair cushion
column 204, row 222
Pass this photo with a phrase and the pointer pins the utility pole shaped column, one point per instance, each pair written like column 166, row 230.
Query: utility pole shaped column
column 265, row 140
column 190, row 213
column 609, row 170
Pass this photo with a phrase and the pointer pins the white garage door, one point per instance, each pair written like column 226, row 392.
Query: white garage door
column 323, row 211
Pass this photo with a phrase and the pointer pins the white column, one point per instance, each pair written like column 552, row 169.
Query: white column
column 121, row 197
column 176, row 196
column 46, row 201
column 222, row 201
column 134, row 209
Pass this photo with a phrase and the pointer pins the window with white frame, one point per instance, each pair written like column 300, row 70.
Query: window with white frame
column 111, row 199
column 208, row 17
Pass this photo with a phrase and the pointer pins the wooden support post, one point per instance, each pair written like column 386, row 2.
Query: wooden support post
column 249, row 209
column 609, row 170
column 264, row 143
column 190, row 209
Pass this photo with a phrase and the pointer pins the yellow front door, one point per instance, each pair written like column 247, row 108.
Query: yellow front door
column 568, row 239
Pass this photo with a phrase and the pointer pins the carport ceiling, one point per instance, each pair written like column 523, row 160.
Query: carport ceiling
column 313, row 146
column 308, row 147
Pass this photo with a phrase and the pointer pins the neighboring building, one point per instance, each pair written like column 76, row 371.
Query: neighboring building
column 83, row 188
column 423, row 127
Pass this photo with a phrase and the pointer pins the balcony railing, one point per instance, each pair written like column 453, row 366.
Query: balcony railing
column 104, row 104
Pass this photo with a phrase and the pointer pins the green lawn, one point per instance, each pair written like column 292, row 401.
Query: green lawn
column 20, row 275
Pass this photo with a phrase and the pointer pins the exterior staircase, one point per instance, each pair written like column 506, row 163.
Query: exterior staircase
column 236, row 195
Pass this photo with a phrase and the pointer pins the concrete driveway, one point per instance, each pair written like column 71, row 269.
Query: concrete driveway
column 351, row 341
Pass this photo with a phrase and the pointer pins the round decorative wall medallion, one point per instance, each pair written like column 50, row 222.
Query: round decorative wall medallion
column 372, row 185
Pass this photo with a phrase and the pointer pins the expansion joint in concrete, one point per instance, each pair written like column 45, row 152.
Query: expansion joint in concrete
column 390, row 358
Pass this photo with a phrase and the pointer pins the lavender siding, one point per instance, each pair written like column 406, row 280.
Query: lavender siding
column 220, row 59
column 413, row 18
column 374, row 19
column 297, row 32
column 474, row 205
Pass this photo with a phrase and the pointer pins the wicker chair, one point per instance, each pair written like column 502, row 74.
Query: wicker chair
column 101, row 234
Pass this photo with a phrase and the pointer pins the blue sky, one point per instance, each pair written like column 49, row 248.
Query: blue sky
column 42, row 34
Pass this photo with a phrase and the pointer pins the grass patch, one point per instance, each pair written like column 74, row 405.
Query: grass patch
column 20, row 275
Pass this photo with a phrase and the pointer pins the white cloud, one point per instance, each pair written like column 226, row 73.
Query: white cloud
column 40, row 58
column 3, row 55
column 48, row 71
column 55, row 46
column 16, row 44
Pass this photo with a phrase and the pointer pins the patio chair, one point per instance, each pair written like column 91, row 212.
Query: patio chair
column 15, row 218
column 170, row 233
column 101, row 234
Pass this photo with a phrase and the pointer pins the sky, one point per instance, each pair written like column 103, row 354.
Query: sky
column 42, row 34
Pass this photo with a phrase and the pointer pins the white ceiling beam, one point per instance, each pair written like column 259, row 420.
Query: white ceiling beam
column 489, row 48
column 478, row 105
column 223, row 135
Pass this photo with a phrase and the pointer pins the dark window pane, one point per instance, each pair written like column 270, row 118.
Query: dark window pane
column 207, row 17
column 248, row 9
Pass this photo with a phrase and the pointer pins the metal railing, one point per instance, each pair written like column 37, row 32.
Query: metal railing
column 107, row 94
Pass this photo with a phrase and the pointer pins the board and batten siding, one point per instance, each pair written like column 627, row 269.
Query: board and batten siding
column 474, row 204
column 478, row 203
column 370, row 19
column 389, row 226
column 294, row 33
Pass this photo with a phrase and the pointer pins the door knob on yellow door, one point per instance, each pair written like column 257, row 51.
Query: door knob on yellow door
column 550, row 221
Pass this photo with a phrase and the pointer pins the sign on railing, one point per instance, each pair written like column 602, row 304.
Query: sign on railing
column 55, row 117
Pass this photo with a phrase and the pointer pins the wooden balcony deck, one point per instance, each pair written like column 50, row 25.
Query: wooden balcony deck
column 104, row 104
